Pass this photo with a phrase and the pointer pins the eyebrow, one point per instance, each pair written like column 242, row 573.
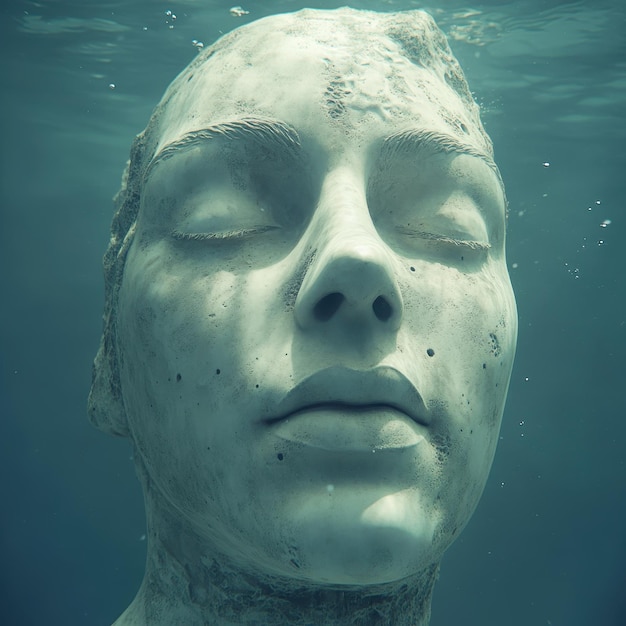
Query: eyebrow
column 263, row 131
column 414, row 140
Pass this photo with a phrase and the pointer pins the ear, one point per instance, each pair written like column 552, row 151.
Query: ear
column 106, row 405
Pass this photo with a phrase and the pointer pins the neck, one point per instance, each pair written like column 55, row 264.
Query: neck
column 186, row 583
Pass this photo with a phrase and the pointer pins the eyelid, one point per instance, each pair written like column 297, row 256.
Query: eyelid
column 420, row 234
column 240, row 233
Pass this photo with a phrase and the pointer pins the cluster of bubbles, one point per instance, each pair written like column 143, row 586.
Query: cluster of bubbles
column 199, row 45
column 170, row 19
column 604, row 223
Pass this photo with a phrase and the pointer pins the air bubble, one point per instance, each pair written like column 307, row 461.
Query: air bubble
column 111, row 86
column 605, row 223
column 546, row 164
column 238, row 11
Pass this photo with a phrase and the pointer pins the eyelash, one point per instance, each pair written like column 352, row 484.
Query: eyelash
column 231, row 234
column 248, row 232
column 467, row 243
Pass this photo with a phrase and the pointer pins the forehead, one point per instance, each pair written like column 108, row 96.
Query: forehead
column 341, row 76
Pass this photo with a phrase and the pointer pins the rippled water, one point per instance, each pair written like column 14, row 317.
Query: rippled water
column 79, row 79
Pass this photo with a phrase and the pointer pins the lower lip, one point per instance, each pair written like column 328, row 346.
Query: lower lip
column 351, row 429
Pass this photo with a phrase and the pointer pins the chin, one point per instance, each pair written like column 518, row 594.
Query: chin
column 347, row 543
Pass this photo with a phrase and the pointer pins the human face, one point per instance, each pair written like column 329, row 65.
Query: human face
column 316, row 326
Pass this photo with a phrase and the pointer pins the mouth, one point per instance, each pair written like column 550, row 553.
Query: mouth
column 340, row 409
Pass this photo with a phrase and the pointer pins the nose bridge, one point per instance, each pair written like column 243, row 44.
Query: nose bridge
column 352, row 277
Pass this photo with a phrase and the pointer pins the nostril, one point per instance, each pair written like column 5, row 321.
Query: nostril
column 327, row 306
column 382, row 309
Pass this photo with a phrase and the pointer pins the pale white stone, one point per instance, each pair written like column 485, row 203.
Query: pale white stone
column 309, row 324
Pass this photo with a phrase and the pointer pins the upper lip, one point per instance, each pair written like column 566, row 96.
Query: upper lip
column 341, row 386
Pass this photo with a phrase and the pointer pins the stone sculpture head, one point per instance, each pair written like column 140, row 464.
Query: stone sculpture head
column 309, row 324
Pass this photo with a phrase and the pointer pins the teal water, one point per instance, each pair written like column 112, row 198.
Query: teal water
column 547, row 543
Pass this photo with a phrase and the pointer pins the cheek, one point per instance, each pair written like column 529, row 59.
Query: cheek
column 467, row 325
column 470, row 325
column 180, row 340
column 464, row 449
column 155, row 343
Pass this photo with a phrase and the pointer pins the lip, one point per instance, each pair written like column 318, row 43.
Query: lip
column 341, row 428
column 341, row 387
column 339, row 409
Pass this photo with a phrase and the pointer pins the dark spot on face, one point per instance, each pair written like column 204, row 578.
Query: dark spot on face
column 430, row 352
column 280, row 456
column 442, row 445
column 484, row 366
column 495, row 345
column 257, row 386
column 412, row 268
column 218, row 371
column 178, row 378
column 462, row 258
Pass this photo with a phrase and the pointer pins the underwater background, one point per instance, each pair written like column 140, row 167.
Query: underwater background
column 547, row 544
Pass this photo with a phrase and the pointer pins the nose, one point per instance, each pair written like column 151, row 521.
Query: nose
column 351, row 280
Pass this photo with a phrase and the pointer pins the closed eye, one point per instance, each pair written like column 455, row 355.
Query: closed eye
column 241, row 233
column 420, row 234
